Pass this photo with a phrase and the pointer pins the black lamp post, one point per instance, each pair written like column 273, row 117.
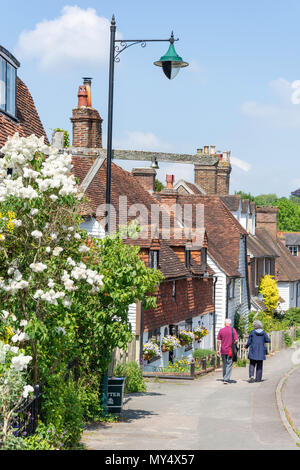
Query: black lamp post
column 171, row 64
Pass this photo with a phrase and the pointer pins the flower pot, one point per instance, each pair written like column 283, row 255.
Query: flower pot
column 184, row 343
column 165, row 348
column 197, row 337
column 146, row 357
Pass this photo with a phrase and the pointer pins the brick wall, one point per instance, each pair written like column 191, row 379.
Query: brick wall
column 194, row 297
column 145, row 177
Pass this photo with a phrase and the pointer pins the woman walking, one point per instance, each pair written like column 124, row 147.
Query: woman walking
column 257, row 351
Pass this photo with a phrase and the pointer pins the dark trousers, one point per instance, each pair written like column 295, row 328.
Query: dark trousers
column 258, row 365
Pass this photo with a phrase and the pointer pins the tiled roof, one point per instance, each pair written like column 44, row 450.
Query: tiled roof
column 260, row 247
column 287, row 266
column 28, row 121
column 191, row 187
column 223, row 232
column 292, row 238
column 169, row 264
column 296, row 193
column 232, row 201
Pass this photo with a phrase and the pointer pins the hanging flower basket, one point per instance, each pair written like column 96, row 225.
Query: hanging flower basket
column 200, row 332
column 169, row 343
column 186, row 337
column 150, row 350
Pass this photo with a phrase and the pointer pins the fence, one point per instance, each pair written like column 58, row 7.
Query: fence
column 184, row 369
column 120, row 356
column 277, row 342
column 26, row 421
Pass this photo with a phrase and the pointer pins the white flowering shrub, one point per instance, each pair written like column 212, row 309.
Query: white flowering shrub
column 41, row 250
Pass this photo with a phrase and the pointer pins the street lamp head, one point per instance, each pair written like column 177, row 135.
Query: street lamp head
column 154, row 163
column 171, row 62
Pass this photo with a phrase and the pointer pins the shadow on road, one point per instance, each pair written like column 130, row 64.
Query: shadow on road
column 131, row 415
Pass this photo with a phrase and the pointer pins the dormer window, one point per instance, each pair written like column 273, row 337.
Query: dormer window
column 8, row 79
column 153, row 259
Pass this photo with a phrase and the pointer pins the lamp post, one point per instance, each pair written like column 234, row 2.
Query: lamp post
column 171, row 63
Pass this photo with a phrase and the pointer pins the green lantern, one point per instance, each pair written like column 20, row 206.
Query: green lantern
column 171, row 62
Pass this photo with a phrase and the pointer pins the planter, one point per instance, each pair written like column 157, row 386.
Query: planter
column 197, row 337
column 185, row 343
column 165, row 348
column 147, row 357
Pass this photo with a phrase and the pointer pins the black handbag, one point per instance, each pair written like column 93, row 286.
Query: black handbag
column 234, row 349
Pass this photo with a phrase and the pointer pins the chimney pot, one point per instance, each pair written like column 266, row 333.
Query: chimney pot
column 212, row 149
column 206, row 149
column 170, row 180
column 82, row 96
column 199, row 151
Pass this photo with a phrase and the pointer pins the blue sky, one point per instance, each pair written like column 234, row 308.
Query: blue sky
column 237, row 93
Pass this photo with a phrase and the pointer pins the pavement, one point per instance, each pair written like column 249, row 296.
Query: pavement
column 205, row 414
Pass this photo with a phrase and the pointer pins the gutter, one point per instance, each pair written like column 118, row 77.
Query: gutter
column 214, row 313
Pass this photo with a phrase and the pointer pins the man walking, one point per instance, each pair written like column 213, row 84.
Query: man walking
column 224, row 348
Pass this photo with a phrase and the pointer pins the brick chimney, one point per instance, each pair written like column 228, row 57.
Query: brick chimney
column 266, row 217
column 212, row 171
column 169, row 195
column 145, row 177
column 87, row 123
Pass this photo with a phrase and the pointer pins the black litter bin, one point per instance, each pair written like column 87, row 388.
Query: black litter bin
column 115, row 394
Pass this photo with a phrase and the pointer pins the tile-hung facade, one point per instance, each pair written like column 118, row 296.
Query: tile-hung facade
column 185, row 297
column 17, row 110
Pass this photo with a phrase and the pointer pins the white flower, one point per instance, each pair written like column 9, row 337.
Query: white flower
column 53, row 197
column 48, row 249
column 38, row 294
column 27, row 390
column 57, row 250
column 53, row 236
column 5, row 314
column 51, row 283
column 71, row 262
column 23, row 323
column 37, row 234
column 61, row 330
column 77, row 236
column 38, row 267
column 83, row 249
column 34, row 211
column 14, row 349
column 17, row 223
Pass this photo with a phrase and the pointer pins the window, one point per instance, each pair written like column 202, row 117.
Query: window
column 231, row 287
column 187, row 258
column 294, row 250
column 267, row 267
column 8, row 74
column 153, row 259
column 174, row 291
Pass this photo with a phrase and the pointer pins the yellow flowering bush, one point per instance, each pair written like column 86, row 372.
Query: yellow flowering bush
column 269, row 290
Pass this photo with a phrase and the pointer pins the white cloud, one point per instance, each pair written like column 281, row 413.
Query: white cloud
column 77, row 37
column 241, row 164
column 136, row 140
column 284, row 112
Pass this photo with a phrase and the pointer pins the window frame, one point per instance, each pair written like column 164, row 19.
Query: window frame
column 292, row 249
column 10, row 63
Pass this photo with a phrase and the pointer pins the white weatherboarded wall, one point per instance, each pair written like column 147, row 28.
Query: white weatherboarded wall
column 220, row 294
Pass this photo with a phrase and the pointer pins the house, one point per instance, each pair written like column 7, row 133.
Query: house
column 17, row 109
column 283, row 265
column 185, row 297
column 291, row 241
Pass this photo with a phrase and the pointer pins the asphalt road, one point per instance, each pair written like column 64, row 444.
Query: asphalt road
column 203, row 414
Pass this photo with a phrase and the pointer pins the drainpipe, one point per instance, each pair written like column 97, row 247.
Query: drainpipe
column 214, row 315
column 247, row 274
column 227, row 296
